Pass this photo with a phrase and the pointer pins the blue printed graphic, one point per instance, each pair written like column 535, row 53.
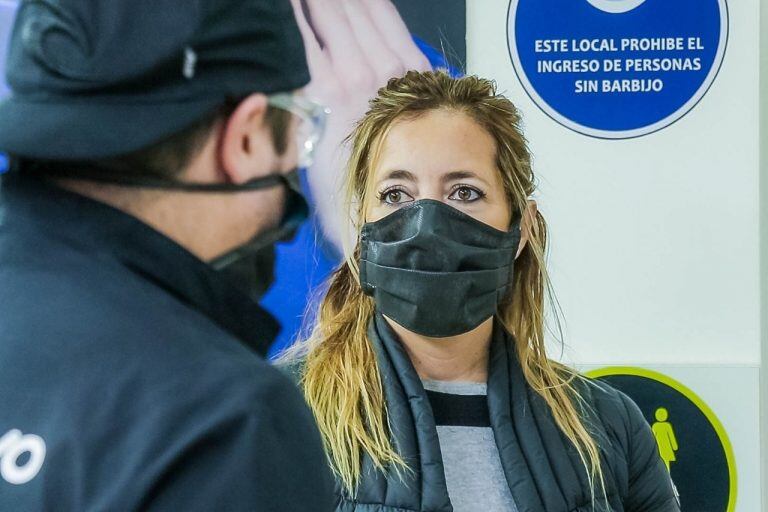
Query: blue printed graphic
column 617, row 68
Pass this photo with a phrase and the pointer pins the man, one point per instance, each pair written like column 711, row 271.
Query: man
column 152, row 144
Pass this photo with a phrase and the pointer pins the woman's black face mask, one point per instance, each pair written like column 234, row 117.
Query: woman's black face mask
column 435, row 270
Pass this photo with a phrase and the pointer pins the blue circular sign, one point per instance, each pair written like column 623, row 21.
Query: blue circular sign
column 617, row 69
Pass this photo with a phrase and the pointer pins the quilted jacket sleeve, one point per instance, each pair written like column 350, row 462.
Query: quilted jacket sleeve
column 650, row 485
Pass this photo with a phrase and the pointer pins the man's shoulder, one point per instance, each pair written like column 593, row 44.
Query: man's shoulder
column 69, row 316
column 86, row 298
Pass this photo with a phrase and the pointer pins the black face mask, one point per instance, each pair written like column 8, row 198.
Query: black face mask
column 435, row 270
column 252, row 265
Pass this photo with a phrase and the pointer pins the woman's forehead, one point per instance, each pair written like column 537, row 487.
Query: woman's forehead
column 436, row 143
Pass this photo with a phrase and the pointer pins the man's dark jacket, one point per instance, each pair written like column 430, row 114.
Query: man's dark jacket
column 136, row 367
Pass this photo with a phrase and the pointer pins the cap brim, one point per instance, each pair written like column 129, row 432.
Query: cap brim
column 77, row 131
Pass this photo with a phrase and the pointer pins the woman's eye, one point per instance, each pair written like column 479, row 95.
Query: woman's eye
column 394, row 196
column 466, row 194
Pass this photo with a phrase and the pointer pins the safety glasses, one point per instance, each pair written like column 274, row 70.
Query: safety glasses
column 312, row 118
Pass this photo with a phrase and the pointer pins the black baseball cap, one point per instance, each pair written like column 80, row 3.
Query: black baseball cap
column 99, row 78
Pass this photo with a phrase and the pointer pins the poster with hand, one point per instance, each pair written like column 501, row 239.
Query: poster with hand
column 353, row 48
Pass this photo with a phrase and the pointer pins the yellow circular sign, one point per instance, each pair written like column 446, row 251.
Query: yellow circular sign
column 691, row 439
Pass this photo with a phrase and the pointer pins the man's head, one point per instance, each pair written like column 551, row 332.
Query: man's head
column 148, row 92
column 170, row 157
column 146, row 69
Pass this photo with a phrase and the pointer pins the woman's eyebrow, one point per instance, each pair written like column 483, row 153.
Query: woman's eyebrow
column 461, row 175
column 399, row 174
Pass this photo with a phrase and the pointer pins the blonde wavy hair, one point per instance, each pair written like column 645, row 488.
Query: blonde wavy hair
column 340, row 377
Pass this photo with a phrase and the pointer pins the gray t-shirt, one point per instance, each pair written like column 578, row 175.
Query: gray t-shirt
column 471, row 460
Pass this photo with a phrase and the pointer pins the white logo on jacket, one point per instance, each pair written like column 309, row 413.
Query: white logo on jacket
column 13, row 445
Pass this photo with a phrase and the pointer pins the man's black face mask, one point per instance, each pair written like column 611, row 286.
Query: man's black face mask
column 252, row 265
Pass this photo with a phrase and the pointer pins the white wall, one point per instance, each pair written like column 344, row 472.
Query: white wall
column 656, row 241
column 764, row 243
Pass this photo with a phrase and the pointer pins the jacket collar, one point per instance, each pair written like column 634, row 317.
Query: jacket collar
column 412, row 424
column 29, row 205
column 542, row 470
column 541, row 467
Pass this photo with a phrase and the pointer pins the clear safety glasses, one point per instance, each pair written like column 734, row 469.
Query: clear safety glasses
column 312, row 118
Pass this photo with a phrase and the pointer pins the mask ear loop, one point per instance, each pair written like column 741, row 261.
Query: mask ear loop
column 296, row 208
column 147, row 180
column 517, row 218
column 515, row 226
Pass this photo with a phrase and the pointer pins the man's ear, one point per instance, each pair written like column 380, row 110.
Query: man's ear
column 244, row 139
column 527, row 225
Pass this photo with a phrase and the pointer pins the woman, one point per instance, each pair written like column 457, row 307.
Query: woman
column 426, row 370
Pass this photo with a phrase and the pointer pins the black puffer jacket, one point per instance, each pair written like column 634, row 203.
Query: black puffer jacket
column 542, row 468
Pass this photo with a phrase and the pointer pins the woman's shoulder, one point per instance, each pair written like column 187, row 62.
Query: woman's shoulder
column 606, row 398
column 630, row 445
column 616, row 412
